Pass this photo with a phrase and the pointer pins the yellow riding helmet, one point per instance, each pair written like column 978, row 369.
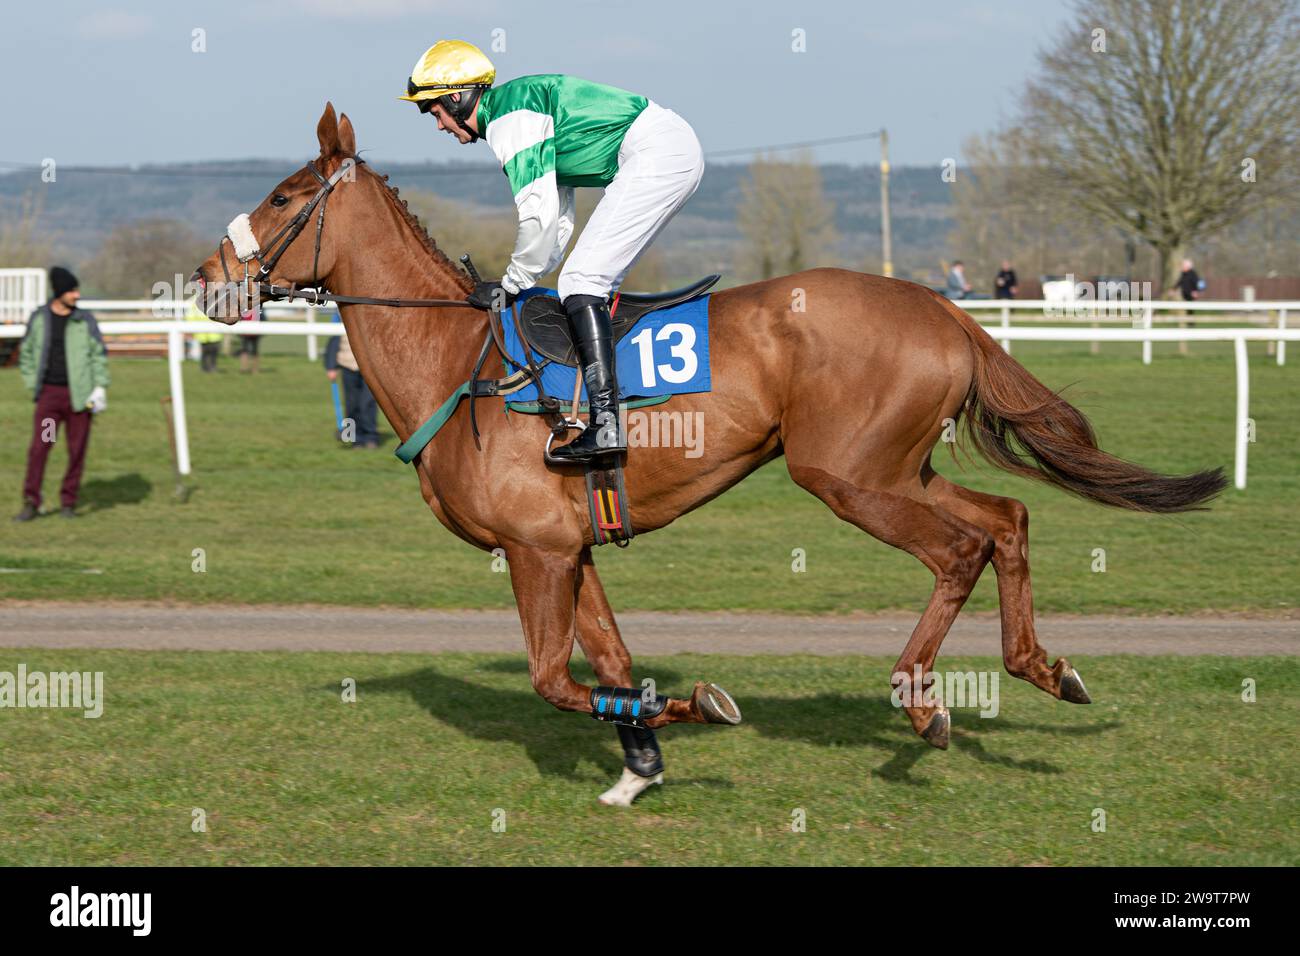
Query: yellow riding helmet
column 449, row 66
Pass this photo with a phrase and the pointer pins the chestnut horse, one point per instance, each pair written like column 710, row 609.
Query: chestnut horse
column 854, row 389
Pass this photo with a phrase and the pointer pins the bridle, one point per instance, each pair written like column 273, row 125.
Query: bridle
column 246, row 250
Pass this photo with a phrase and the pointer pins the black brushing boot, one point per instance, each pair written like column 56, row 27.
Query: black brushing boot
column 641, row 753
column 593, row 338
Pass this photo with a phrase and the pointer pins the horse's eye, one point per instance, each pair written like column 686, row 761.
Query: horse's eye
column 278, row 200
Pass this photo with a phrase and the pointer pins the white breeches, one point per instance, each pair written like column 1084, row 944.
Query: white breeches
column 660, row 165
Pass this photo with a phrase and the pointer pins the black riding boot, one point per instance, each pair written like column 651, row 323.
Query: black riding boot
column 593, row 337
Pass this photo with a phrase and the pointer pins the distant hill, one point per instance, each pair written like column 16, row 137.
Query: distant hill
column 84, row 204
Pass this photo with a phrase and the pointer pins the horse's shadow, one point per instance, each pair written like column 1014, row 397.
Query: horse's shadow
column 872, row 722
column 99, row 494
column 557, row 743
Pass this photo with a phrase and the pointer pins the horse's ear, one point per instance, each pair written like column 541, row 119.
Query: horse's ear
column 327, row 131
column 347, row 136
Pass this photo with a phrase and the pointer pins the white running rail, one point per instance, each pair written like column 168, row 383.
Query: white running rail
column 176, row 332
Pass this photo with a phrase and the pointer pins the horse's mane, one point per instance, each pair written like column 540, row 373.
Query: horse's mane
column 420, row 231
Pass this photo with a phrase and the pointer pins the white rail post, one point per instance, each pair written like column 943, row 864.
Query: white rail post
column 311, row 339
column 1243, row 409
column 175, row 356
column 1281, row 343
column 1006, row 324
column 179, row 313
column 1148, row 313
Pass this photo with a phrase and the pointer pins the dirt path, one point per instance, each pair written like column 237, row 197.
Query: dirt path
column 314, row 628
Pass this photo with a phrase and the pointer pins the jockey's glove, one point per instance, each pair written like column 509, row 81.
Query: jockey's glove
column 490, row 296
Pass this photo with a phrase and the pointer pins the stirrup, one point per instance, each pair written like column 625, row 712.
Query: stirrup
column 567, row 423
column 597, row 453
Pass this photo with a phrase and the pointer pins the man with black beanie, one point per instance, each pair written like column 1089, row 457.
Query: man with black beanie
column 65, row 367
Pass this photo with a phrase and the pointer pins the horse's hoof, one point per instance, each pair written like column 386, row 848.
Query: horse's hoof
column 1072, row 688
column 628, row 788
column 937, row 730
column 717, row 705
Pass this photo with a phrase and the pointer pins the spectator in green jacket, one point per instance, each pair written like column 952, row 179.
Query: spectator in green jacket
column 64, row 366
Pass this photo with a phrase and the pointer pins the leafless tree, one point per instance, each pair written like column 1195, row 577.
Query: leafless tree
column 136, row 255
column 1170, row 119
column 23, row 242
column 1001, row 210
column 785, row 220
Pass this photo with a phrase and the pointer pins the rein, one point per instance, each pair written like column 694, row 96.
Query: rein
column 279, row 293
column 246, row 249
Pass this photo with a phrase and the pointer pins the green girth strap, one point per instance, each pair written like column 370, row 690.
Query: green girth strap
column 409, row 449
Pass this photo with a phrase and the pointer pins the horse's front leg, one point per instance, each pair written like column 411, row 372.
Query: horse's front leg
column 545, row 591
column 543, row 583
column 601, row 642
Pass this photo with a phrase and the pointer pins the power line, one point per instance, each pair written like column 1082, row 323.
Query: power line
column 853, row 138
column 437, row 171
column 215, row 173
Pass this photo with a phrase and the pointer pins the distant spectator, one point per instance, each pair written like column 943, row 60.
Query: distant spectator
column 1004, row 284
column 249, row 344
column 358, row 403
column 65, row 366
column 1189, row 287
column 209, row 342
column 1189, row 283
column 958, row 287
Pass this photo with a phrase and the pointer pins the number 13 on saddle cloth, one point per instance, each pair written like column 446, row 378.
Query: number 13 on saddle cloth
column 665, row 353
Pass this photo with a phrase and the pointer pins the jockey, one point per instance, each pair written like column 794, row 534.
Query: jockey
column 552, row 133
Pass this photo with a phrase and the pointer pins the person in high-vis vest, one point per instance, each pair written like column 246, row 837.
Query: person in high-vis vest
column 209, row 342
column 552, row 133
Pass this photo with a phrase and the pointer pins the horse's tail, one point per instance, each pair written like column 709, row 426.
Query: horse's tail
column 1021, row 425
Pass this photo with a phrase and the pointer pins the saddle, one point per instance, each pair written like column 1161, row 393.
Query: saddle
column 545, row 326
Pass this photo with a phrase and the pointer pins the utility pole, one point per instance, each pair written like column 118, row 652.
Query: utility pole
column 886, row 243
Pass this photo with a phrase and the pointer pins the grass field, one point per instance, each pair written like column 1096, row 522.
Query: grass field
column 285, row 514
column 412, row 773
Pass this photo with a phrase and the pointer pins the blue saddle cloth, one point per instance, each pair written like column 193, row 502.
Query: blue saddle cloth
column 665, row 353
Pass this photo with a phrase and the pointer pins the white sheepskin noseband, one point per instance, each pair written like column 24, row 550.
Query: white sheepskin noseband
column 241, row 236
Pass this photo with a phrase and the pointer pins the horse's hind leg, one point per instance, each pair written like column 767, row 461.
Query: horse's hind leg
column 602, row 644
column 954, row 550
column 1007, row 520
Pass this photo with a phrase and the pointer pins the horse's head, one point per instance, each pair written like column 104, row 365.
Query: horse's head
column 287, row 239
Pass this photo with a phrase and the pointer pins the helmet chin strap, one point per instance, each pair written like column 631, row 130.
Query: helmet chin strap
column 462, row 111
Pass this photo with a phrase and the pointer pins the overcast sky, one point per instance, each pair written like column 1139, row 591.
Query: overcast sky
column 110, row 83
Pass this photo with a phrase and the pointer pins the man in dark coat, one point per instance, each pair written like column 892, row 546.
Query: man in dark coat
column 65, row 366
